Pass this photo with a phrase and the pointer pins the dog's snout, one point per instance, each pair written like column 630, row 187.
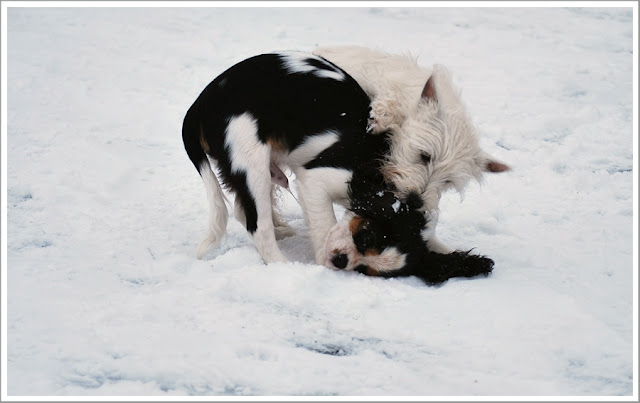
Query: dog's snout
column 340, row 261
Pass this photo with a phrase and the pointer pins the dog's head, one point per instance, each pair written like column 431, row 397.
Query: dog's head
column 378, row 233
column 436, row 147
column 376, row 238
column 383, row 236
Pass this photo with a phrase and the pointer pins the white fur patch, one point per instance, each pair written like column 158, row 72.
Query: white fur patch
column 311, row 148
column 296, row 63
column 242, row 140
column 328, row 181
column 389, row 260
column 340, row 242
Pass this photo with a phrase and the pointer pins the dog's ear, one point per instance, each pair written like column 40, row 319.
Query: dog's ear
column 429, row 90
column 495, row 167
column 439, row 87
column 490, row 164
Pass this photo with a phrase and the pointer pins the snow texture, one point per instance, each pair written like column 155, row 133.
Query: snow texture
column 104, row 213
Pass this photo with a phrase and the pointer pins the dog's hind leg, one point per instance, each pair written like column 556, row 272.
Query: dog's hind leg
column 249, row 174
column 281, row 228
column 195, row 144
column 264, row 234
column 218, row 214
column 238, row 212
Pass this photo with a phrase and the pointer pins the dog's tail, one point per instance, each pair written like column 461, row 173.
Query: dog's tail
column 195, row 144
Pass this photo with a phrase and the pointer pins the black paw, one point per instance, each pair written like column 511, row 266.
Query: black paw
column 476, row 264
column 438, row 267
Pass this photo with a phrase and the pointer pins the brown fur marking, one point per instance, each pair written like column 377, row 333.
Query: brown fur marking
column 354, row 224
column 371, row 252
column 203, row 142
column 278, row 145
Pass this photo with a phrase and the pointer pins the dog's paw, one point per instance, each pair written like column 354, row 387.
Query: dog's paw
column 484, row 265
column 378, row 121
column 383, row 116
column 475, row 264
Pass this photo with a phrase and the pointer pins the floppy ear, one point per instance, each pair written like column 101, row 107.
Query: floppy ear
column 429, row 90
column 490, row 164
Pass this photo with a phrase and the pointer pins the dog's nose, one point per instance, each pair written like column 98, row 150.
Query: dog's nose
column 340, row 261
column 414, row 201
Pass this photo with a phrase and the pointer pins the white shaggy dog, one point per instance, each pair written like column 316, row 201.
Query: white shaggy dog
column 435, row 144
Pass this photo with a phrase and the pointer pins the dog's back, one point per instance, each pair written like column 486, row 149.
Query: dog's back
column 378, row 72
column 291, row 96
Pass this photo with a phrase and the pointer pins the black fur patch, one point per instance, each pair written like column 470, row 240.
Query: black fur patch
column 414, row 201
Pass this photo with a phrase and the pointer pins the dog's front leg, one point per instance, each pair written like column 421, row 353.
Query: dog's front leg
column 318, row 188
column 429, row 234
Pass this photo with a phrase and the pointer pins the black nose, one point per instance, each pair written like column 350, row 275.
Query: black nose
column 340, row 261
column 414, row 201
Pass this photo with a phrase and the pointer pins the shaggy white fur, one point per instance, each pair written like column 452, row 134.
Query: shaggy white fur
column 435, row 146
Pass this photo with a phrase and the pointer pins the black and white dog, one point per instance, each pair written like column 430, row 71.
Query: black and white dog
column 274, row 110
column 296, row 110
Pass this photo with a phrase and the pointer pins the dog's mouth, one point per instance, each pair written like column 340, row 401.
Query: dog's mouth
column 416, row 195
column 425, row 200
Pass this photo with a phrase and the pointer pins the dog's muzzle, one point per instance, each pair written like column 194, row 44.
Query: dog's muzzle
column 339, row 249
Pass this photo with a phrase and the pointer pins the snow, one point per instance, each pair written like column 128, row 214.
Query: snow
column 104, row 295
column 396, row 206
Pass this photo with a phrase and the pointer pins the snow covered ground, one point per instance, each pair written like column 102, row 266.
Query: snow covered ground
column 104, row 295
